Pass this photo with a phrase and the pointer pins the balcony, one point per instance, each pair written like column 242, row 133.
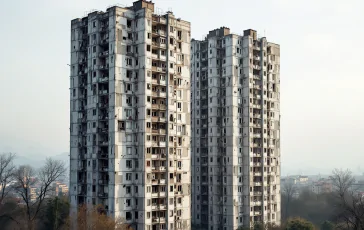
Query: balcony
column 257, row 183
column 103, row 143
column 257, row 213
column 81, row 168
column 82, row 120
column 257, row 115
column 159, row 69
column 159, row 20
column 154, row 118
column 158, row 33
column 257, row 87
column 256, row 135
column 82, row 60
column 103, row 92
column 102, row 105
column 81, row 108
column 104, row 41
column 257, row 174
column 155, row 194
column 103, row 169
column 256, row 125
column 103, row 195
column 104, row 28
column 103, row 79
column 158, row 169
column 82, row 193
column 155, row 56
column 159, row 45
column 159, row 94
column 162, row 131
column 103, row 130
column 103, row 182
column 103, row 54
column 158, row 156
column 257, row 193
column 102, row 156
column 257, row 155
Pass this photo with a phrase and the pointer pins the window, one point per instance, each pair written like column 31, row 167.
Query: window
column 128, row 216
column 129, row 61
column 128, row 164
column 135, row 189
column 121, row 125
column 128, row 23
column 127, row 189
column 94, row 24
column 148, row 48
column 128, row 202
column 128, row 176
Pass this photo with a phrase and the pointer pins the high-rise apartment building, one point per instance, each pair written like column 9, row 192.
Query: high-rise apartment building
column 235, row 130
column 130, row 116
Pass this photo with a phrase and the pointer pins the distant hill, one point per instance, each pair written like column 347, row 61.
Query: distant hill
column 38, row 160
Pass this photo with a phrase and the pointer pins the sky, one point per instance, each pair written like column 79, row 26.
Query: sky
column 322, row 78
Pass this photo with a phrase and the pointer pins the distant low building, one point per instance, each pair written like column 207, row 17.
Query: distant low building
column 295, row 179
column 61, row 189
column 321, row 186
column 303, row 179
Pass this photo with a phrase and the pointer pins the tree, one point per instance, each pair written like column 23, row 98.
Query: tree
column 289, row 188
column 94, row 218
column 299, row 224
column 261, row 226
column 7, row 169
column 349, row 202
column 327, row 225
column 27, row 179
column 55, row 214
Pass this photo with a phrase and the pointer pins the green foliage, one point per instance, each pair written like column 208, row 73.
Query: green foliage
column 56, row 213
column 312, row 207
column 8, row 212
column 327, row 225
column 299, row 224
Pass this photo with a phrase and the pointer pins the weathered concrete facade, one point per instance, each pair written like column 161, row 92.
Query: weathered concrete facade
column 130, row 116
column 235, row 130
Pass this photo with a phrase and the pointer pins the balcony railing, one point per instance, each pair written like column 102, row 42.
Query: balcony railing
column 158, row 69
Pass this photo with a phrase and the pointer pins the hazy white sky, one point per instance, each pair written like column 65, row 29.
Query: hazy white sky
column 322, row 74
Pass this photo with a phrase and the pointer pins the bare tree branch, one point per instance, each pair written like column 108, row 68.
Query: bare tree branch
column 350, row 203
column 27, row 178
column 289, row 189
column 7, row 169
